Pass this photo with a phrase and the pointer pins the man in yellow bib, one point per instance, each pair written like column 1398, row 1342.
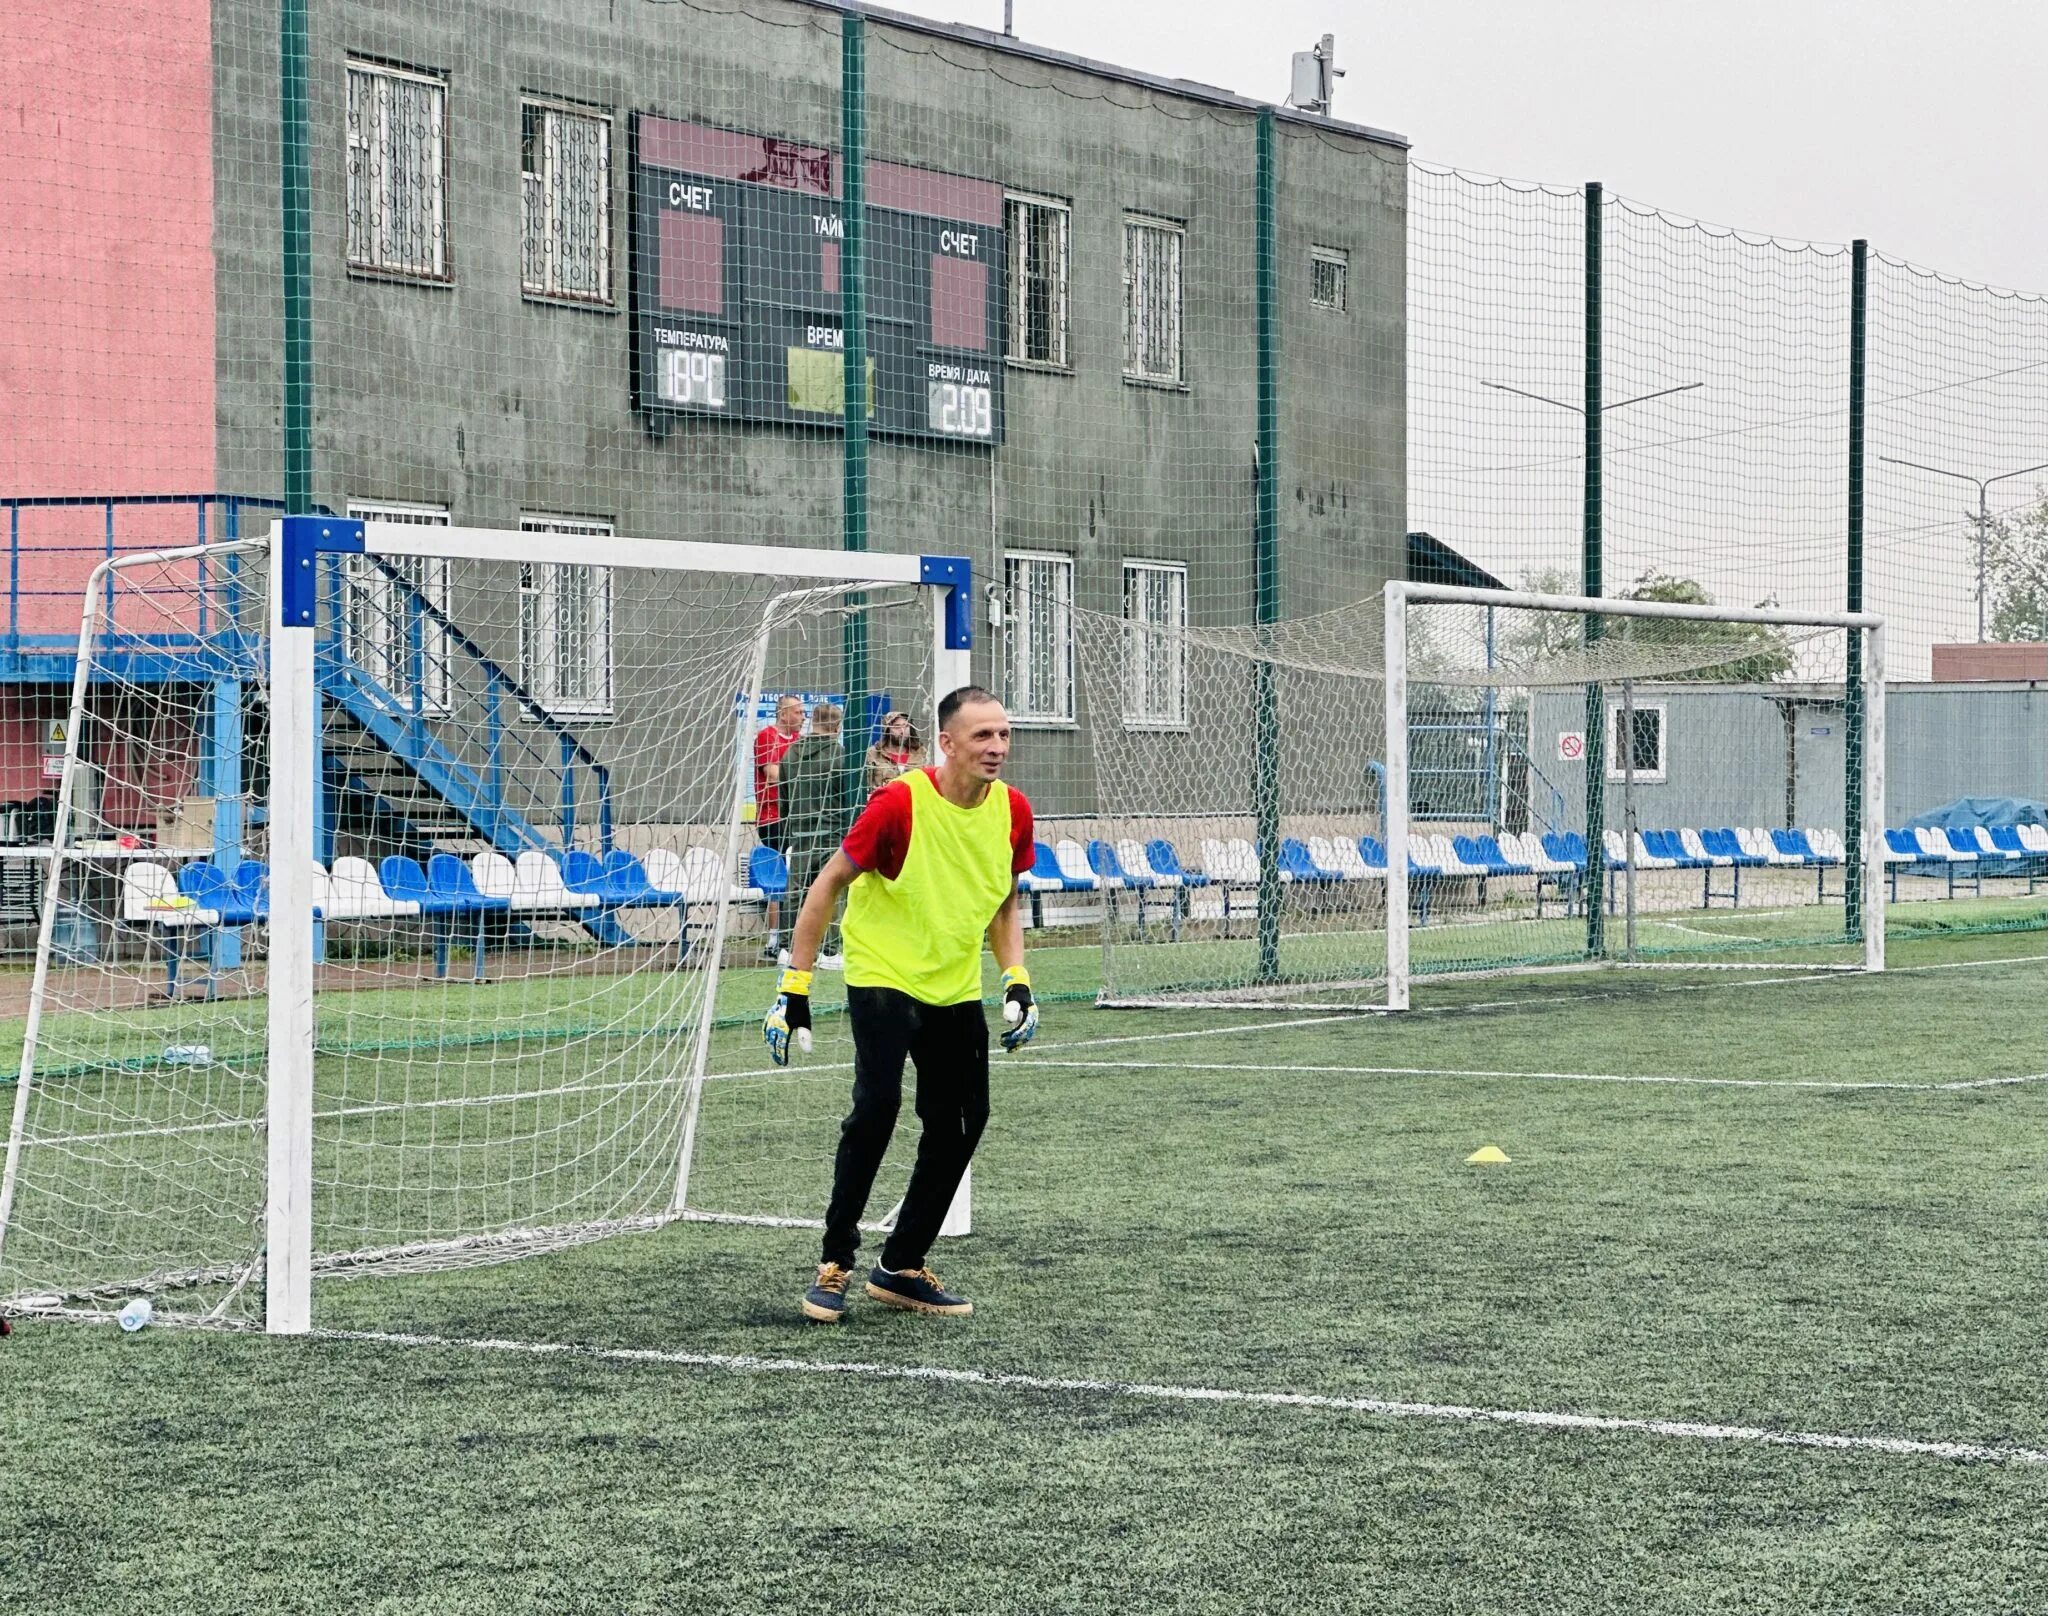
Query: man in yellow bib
column 932, row 864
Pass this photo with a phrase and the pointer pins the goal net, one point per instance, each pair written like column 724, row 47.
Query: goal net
column 1455, row 782
column 534, row 880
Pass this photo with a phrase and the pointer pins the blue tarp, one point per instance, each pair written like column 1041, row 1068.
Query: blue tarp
column 1993, row 811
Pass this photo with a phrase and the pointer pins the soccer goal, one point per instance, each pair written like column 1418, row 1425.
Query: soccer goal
column 1453, row 782
column 406, row 906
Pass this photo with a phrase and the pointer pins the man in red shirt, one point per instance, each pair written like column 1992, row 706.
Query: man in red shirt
column 769, row 747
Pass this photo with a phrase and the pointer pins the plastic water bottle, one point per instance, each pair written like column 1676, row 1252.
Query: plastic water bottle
column 136, row 1314
column 188, row 1055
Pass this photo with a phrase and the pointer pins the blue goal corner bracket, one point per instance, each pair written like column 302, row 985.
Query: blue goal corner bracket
column 303, row 540
column 955, row 575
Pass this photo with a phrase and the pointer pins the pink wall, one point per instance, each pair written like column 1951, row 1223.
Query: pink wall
column 106, row 261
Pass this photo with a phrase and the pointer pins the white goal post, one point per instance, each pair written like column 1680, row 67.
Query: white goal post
column 298, row 544
column 560, row 726
column 1862, row 675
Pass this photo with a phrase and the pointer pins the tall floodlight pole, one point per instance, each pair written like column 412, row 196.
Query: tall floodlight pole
column 1982, row 518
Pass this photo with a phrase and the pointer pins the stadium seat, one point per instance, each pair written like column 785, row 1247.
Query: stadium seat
column 1827, row 843
column 210, row 887
column 1724, row 843
column 1695, row 847
column 355, row 893
column 1981, row 843
column 1131, row 854
column 448, row 877
column 532, row 886
column 1110, row 871
column 1486, row 852
column 767, row 873
column 1164, row 860
column 1136, row 877
column 1936, row 847
column 252, row 885
column 404, row 880
column 2005, row 839
column 1445, row 858
column 1231, row 861
column 150, row 897
column 1374, row 855
column 1045, row 874
column 2034, row 838
column 628, row 876
column 700, row 873
column 1296, row 865
column 1566, row 847
column 1072, row 859
column 1340, row 854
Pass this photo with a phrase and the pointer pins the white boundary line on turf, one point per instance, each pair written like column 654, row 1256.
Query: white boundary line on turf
column 1042, row 1054
column 748, row 1363
column 1555, row 1077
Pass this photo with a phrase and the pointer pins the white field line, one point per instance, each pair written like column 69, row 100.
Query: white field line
column 1045, row 1055
column 749, row 1364
column 1550, row 1077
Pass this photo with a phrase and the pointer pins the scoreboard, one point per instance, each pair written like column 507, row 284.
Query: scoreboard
column 738, row 242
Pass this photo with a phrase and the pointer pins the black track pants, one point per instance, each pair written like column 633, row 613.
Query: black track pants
column 949, row 1046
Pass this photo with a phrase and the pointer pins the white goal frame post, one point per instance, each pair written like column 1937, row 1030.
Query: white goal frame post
column 297, row 544
column 1401, row 594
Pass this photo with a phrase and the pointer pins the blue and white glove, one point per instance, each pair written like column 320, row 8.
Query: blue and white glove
column 791, row 1013
column 1020, row 1010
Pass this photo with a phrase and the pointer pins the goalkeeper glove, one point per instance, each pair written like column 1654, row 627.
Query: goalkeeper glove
column 1020, row 1010
column 791, row 1013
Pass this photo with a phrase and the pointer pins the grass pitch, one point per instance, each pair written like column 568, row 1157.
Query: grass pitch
column 1810, row 1209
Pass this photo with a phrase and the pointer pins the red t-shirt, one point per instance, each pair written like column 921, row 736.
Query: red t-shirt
column 769, row 746
column 880, row 838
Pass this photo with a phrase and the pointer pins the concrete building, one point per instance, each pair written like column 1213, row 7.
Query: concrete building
column 477, row 320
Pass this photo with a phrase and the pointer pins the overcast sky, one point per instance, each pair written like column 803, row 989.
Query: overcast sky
column 1918, row 124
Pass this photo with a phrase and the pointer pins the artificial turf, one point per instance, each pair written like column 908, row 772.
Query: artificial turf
column 1259, row 1208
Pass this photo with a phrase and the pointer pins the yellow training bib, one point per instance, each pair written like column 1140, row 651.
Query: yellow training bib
column 922, row 932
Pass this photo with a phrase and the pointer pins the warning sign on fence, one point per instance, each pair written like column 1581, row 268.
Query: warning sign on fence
column 1571, row 745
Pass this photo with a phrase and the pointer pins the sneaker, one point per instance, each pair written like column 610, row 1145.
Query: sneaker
column 831, row 962
column 825, row 1301
column 917, row 1290
column 772, row 954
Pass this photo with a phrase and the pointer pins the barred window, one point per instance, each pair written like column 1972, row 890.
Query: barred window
column 565, row 625
column 1328, row 268
column 1040, row 641
column 1038, row 280
column 397, row 171
column 389, row 627
column 1152, row 299
column 1155, row 645
column 565, row 178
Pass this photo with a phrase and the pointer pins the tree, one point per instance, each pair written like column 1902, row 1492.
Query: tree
column 2016, row 566
column 1757, row 653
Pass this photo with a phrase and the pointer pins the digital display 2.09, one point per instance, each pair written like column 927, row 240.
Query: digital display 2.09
column 738, row 243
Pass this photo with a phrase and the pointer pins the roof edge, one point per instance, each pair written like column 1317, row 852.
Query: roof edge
column 1187, row 89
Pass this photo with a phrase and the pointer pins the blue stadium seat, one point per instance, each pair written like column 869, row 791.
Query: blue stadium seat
column 1296, row 865
column 1723, row 843
column 450, row 878
column 1164, row 858
column 767, row 872
column 404, row 880
column 211, row 887
column 1103, row 861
